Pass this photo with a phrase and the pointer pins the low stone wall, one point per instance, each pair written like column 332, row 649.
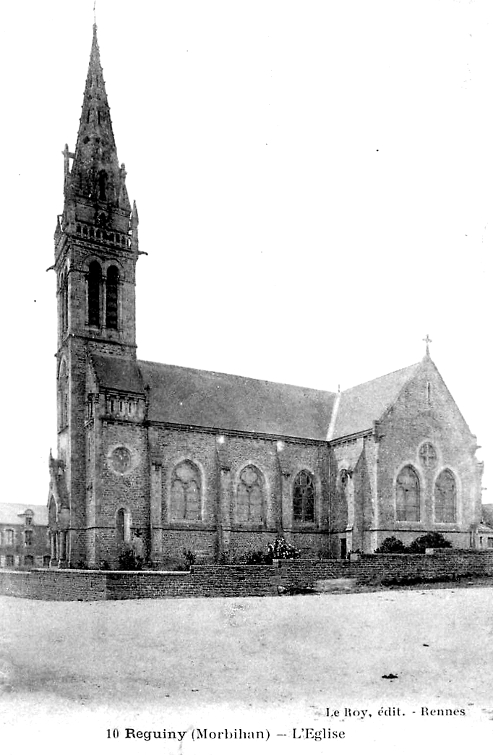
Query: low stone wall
column 243, row 580
column 44, row 584
column 390, row 568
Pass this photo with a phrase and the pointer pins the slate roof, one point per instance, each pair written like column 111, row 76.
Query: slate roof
column 187, row 396
column 182, row 395
column 11, row 513
column 118, row 374
column 360, row 406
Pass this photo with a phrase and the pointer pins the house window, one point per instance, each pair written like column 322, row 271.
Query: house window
column 94, row 293
column 9, row 560
column 304, row 497
column 407, row 496
column 29, row 521
column 46, row 561
column 28, row 561
column 28, row 537
column 9, row 537
column 185, row 492
column 445, row 497
column 112, row 298
column 250, row 497
column 490, row 542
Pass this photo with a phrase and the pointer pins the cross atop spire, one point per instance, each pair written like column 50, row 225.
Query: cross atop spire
column 427, row 340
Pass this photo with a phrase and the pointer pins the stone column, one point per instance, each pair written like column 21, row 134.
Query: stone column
column 223, row 519
column 286, row 521
column 156, row 513
column 53, row 553
column 286, row 502
column 62, row 556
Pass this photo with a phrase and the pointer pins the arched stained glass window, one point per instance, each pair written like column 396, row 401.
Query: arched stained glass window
column 112, row 297
column 304, row 497
column 185, row 492
column 94, row 293
column 407, row 496
column 250, row 496
column 445, row 497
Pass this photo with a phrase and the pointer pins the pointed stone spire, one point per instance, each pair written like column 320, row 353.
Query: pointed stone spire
column 96, row 174
column 135, row 227
column 58, row 229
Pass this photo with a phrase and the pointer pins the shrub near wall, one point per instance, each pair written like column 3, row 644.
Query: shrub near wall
column 391, row 568
column 244, row 580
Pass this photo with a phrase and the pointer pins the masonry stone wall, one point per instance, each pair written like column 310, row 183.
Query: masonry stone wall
column 54, row 585
column 221, row 458
column 425, row 412
column 347, row 499
column 243, row 580
column 128, row 490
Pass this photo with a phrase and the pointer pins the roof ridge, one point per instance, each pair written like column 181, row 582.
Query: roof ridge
column 229, row 374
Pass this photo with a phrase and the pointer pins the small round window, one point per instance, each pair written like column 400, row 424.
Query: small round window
column 121, row 459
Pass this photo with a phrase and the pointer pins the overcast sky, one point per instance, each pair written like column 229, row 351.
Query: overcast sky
column 314, row 185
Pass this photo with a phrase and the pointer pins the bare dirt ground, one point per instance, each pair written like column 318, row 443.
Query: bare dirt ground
column 78, row 669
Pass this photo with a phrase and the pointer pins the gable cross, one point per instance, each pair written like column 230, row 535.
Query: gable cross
column 427, row 340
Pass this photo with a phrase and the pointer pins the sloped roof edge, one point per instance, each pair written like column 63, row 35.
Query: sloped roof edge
column 362, row 405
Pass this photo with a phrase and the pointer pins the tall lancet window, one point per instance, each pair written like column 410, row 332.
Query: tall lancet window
column 120, row 526
column 445, row 497
column 407, row 496
column 304, row 497
column 64, row 302
column 94, row 293
column 112, row 298
column 185, row 492
column 250, row 497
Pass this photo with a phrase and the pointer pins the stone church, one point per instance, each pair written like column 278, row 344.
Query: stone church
column 217, row 465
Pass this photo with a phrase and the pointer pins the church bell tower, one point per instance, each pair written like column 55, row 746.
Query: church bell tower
column 96, row 250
